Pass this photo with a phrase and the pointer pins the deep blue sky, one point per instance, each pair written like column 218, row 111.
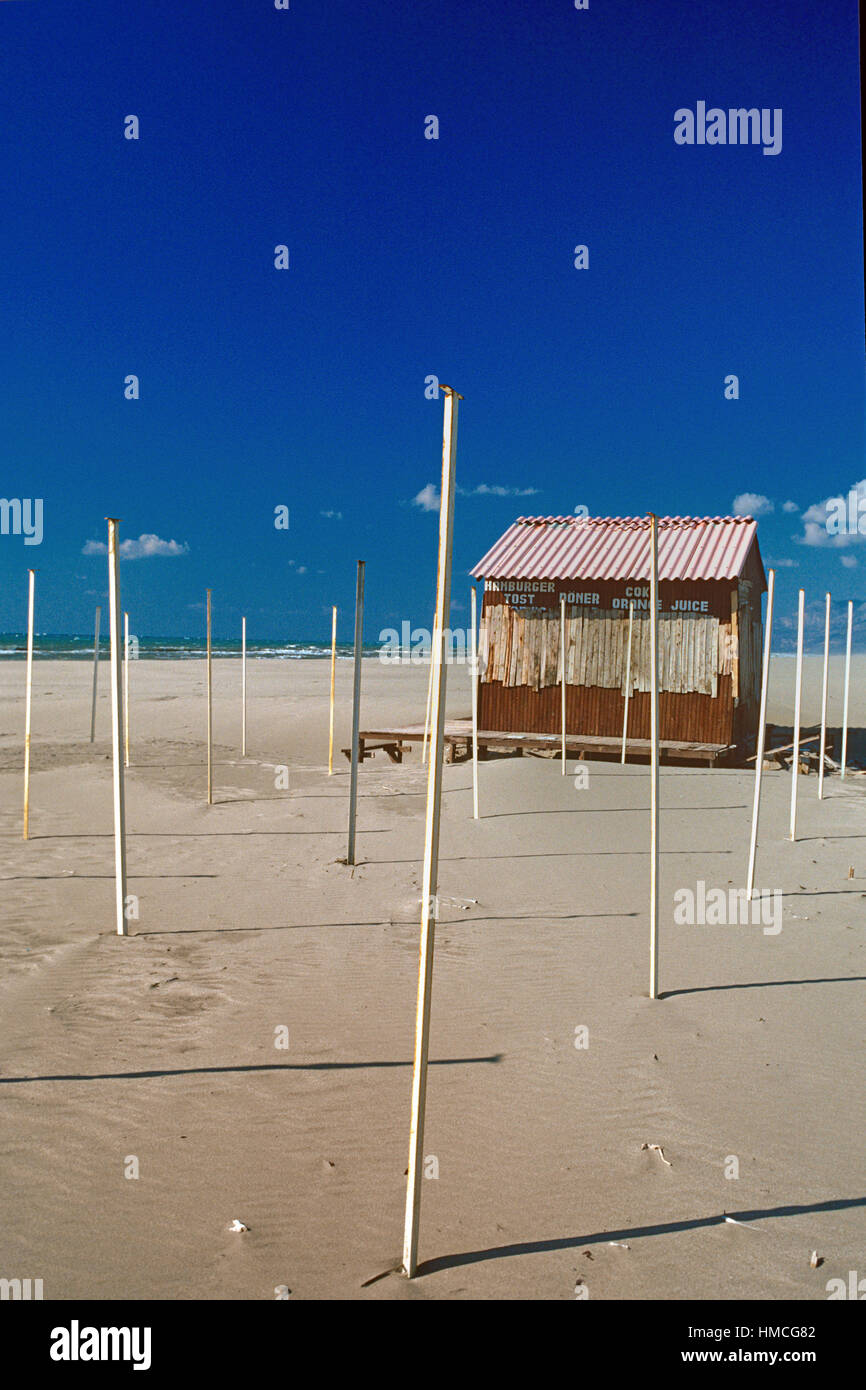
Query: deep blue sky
column 408, row 257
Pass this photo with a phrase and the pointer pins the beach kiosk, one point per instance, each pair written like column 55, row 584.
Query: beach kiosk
column 711, row 581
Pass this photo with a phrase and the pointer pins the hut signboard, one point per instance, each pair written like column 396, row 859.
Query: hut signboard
column 546, row 593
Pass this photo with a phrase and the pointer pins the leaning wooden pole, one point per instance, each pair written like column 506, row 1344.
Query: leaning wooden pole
column 654, row 758
column 28, row 690
column 126, row 690
column 627, row 679
column 429, row 691
column 356, row 710
column 333, row 687
column 95, row 676
column 844, row 758
column 762, row 735
column 824, row 691
column 209, row 707
column 431, row 842
column 562, row 663
column 798, row 695
column 474, row 614
column 116, row 729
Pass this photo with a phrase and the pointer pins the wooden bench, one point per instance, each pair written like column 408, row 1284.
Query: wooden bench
column 366, row 749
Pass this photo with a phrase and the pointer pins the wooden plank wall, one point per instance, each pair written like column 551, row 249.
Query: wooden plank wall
column 710, row 668
column 521, row 647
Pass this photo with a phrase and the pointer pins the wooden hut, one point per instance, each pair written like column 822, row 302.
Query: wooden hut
column 711, row 580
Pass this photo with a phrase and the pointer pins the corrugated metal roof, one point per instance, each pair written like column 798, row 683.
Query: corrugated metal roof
column 617, row 547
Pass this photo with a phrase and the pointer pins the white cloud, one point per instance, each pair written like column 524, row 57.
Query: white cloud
column 497, row 490
column 849, row 561
column 142, row 549
column 790, row 507
column 428, row 498
column 332, row 516
column 752, row 504
column 429, row 501
column 783, row 564
column 148, row 545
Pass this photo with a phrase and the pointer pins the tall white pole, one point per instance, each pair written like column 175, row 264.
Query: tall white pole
column 762, row 734
column 209, row 707
column 243, row 687
column 795, row 766
column 333, row 687
column 627, row 678
column 356, row 709
column 824, row 699
column 474, row 603
column 95, row 676
column 126, row 690
column 429, row 692
column 654, row 758
column 116, row 729
column 27, row 701
column 847, row 686
column 431, row 842
column 562, row 659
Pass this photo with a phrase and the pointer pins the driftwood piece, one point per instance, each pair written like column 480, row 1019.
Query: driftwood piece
column 786, row 748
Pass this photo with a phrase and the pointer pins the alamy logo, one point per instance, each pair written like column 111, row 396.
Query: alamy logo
column 846, row 516
column 412, row 646
column 855, row 1289
column 736, row 126
column 719, row 907
column 23, row 1289
column 22, row 516
column 75, row 1343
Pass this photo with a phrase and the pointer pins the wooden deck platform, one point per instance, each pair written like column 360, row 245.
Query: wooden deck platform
column 458, row 744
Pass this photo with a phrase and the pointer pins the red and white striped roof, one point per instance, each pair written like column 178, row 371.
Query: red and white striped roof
column 617, row 547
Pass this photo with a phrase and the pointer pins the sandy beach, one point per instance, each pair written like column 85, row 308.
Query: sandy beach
column 162, row 1053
